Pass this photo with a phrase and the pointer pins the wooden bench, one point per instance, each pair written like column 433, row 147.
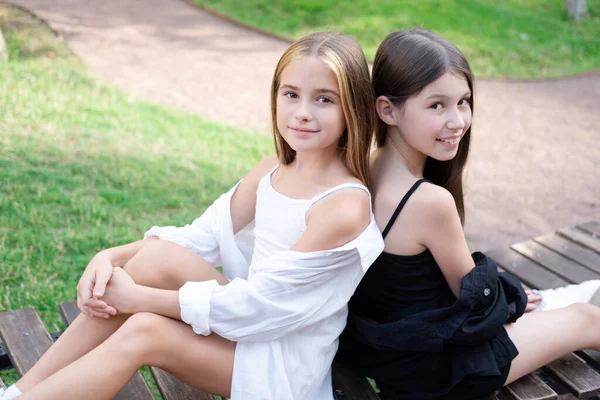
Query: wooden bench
column 549, row 261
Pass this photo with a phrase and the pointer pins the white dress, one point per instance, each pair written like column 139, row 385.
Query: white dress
column 285, row 309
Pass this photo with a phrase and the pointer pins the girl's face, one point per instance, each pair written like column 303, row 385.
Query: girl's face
column 309, row 109
column 434, row 121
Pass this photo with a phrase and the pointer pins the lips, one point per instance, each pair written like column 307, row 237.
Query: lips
column 450, row 140
column 303, row 130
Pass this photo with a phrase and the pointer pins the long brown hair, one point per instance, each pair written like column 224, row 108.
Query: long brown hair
column 406, row 62
column 347, row 61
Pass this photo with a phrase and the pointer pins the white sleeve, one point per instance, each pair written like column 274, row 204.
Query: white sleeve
column 287, row 292
column 202, row 236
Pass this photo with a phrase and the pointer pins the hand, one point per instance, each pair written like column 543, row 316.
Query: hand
column 122, row 292
column 92, row 285
column 533, row 300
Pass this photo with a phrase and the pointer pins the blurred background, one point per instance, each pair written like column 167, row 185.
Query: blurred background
column 119, row 115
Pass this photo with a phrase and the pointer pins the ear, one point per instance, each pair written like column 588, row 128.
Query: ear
column 385, row 110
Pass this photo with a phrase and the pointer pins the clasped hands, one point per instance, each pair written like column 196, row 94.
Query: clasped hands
column 104, row 291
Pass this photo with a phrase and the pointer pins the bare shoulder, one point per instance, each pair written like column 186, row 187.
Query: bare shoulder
column 336, row 220
column 433, row 204
column 262, row 168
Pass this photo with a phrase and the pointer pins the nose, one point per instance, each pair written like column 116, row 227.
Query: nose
column 456, row 120
column 303, row 112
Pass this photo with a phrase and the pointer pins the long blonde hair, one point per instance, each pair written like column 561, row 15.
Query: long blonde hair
column 347, row 61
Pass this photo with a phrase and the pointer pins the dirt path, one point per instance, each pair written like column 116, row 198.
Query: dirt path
column 535, row 160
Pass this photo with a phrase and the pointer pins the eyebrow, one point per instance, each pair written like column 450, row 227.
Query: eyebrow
column 329, row 91
column 467, row 94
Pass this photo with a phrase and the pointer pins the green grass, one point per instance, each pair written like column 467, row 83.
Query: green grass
column 84, row 166
column 510, row 38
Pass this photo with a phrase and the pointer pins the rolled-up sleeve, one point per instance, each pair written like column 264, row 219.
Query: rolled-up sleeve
column 285, row 293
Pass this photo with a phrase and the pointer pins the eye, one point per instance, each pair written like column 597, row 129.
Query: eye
column 324, row 99
column 436, row 106
column 290, row 95
column 465, row 102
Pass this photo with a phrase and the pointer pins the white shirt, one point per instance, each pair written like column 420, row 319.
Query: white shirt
column 285, row 309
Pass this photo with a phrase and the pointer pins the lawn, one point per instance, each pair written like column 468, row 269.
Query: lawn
column 510, row 38
column 84, row 166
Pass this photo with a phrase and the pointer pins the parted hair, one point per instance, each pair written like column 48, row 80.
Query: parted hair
column 347, row 61
column 405, row 63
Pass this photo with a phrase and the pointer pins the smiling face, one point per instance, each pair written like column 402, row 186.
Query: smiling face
column 309, row 109
column 434, row 121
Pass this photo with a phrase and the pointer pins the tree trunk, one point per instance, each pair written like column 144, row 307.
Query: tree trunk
column 3, row 50
column 576, row 9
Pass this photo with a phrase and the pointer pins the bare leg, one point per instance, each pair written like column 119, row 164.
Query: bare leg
column 144, row 339
column 544, row 336
column 159, row 264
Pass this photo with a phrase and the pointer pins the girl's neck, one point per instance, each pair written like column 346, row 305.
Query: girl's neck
column 312, row 162
column 398, row 156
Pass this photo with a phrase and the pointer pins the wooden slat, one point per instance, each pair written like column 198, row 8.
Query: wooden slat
column 593, row 227
column 571, row 250
column 348, row 385
column 172, row 388
column 561, row 266
column 136, row 388
column 530, row 387
column 567, row 396
column 581, row 237
column 582, row 379
column 591, row 356
column 530, row 273
column 25, row 337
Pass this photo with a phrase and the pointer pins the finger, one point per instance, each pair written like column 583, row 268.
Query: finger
column 102, row 279
column 81, row 307
column 95, row 303
column 530, row 307
column 97, row 314
column 111, row 310
column 534, row 298
column 84, row 289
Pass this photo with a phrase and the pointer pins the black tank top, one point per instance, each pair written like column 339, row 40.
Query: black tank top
column 396, row 286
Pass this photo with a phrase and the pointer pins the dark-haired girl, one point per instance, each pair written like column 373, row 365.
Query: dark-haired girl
column 429, row 320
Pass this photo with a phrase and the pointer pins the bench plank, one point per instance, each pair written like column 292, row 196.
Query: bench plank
column 582, row 379
column 581, row 237
column 348, row 385
column 530, row 387
column 571, row 250
column 591, row 356
column 593, row 227
column 527, row 271
column 172, row 388
column 561, row 266
column 136, row 388
column 25, row 337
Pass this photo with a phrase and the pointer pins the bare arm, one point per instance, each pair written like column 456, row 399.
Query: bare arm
column 443, row 235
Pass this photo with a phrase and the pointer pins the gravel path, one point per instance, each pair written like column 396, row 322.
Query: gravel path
column 535, row 160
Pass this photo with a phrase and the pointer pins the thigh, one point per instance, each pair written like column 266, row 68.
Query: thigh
column 204, row 362
column 167, row 265
column 544, row 336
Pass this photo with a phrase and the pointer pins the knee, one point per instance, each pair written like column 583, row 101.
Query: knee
column 145, row 264
column 137, row 336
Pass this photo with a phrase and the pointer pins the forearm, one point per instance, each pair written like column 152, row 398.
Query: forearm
column 119, row 255
column 158, row 301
